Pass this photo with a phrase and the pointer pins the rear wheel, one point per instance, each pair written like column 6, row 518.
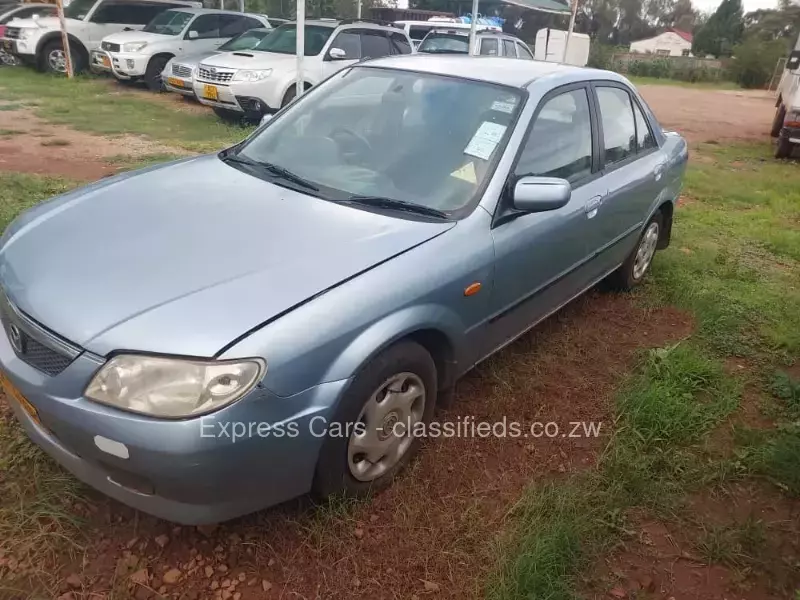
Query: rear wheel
column 777, row 123
column 152, row 75
column 632, row 271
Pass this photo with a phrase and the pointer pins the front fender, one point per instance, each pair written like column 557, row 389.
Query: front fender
column 392, row 328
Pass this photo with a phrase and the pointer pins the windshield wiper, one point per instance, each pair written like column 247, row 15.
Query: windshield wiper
column 271, row 168
column 391, row 203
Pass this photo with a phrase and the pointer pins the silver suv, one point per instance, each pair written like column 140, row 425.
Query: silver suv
column 451, row 40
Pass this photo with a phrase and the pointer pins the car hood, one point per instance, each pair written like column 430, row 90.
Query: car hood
column 126, row 37
column 251, row 59
column 192, row 60
column 184, row 258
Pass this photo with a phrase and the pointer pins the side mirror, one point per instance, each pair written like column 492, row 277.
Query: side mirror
column 539, row 194
column 337, row 54
column 265, row 119
column 193, row 35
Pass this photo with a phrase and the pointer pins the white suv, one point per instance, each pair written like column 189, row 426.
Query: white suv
column 263, row 79
column 38, row 41
column 133, row 55
column 449, row 40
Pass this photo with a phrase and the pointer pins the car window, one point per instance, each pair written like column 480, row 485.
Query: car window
column 375, row 44
column 113, row 12
column 283, row 39
column 29, row 11
column 508, row 49
column 400, row 43
column 445, row 43
column 488, row 47
column 417, row 32
column 231, row 25
column 560, row 141
column 78, row 9
column 245, row 41
column 644, row 137
column 206, row 26
column 350, row 42
column 169, row 22
column 619, row 131
column 523, row 52
column 142, row 14
column 395, row 136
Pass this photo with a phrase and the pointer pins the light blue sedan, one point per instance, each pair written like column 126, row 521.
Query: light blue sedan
column 209, row 337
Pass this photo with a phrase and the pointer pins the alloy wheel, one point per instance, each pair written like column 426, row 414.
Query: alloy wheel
column 646, row 250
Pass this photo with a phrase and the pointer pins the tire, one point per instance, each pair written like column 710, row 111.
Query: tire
column 289, row 95
column 631, row 273
column 152, row 75
column 784, row 148
column 777, row 122
column 51, row 59
column 342, row 468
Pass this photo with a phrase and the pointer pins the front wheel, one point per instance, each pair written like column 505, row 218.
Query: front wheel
column 777, row 122
column 54, row 59
column 371, row 438
column 632, row 271
column 152, row 75
column 784, row 148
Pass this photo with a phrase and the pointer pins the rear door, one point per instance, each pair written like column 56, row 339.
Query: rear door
column 633, row 169
column 509, row 49
column 348, row 41
column 204, row 34
column 489, row 46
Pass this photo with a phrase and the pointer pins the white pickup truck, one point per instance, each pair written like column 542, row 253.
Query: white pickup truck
column 37, row 41
column 786, row 125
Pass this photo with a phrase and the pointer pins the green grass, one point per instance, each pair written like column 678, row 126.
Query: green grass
column 19, row 191
column 701, row 85
column 734, row 263
column 102, row 107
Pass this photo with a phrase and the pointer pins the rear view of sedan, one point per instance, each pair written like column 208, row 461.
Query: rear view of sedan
column 226, row 352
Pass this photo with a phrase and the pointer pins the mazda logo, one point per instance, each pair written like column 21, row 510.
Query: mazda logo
column 15, row 337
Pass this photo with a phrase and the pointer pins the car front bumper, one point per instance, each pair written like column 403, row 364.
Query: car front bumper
column 100, row 62
column 127, row 65
column 23, row 48
column 190, row 471
column 178, row 85
column 239, row 96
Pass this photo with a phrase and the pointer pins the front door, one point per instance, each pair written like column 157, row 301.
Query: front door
column 543, row 259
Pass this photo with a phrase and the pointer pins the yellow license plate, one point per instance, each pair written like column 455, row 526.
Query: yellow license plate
column 174, row 81
column 16, row 395
column 106, row 62
column 210, row 92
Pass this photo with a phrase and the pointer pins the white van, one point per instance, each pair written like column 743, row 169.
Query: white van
column 550, row 44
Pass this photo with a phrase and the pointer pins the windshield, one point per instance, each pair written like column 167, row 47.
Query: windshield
column 78, row 9
column 244, row 41
column 170, row 22
column 409, row 137
column 283, row 39
column 445, row 43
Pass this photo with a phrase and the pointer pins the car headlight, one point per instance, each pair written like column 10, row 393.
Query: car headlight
column 133, row 46
column 173, row 387
column 252, row 76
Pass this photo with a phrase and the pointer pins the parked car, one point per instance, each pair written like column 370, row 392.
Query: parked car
column 263, row 79
column 489, row 42
column 38, row 42
column 786, row 124
column 417, row 30
column 142, row 55
column 177, row 74
column 9, row 12
column 282, row 317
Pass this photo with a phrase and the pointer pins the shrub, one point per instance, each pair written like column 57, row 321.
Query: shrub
column 754, row 61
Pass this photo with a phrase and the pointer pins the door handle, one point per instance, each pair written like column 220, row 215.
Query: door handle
column 592, row 205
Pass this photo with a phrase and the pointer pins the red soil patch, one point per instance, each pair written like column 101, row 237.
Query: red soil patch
column 432, row 532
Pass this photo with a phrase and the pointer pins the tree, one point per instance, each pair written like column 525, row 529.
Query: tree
column 723, row 30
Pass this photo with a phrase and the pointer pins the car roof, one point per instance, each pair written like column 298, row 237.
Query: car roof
column 365, row 23
column 211, row 11
column 466, row 31
column 514, row 73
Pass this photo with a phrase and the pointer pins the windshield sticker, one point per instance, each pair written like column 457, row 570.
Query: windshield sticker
column 485, row 140
column 466, row 173
column 506, row 107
